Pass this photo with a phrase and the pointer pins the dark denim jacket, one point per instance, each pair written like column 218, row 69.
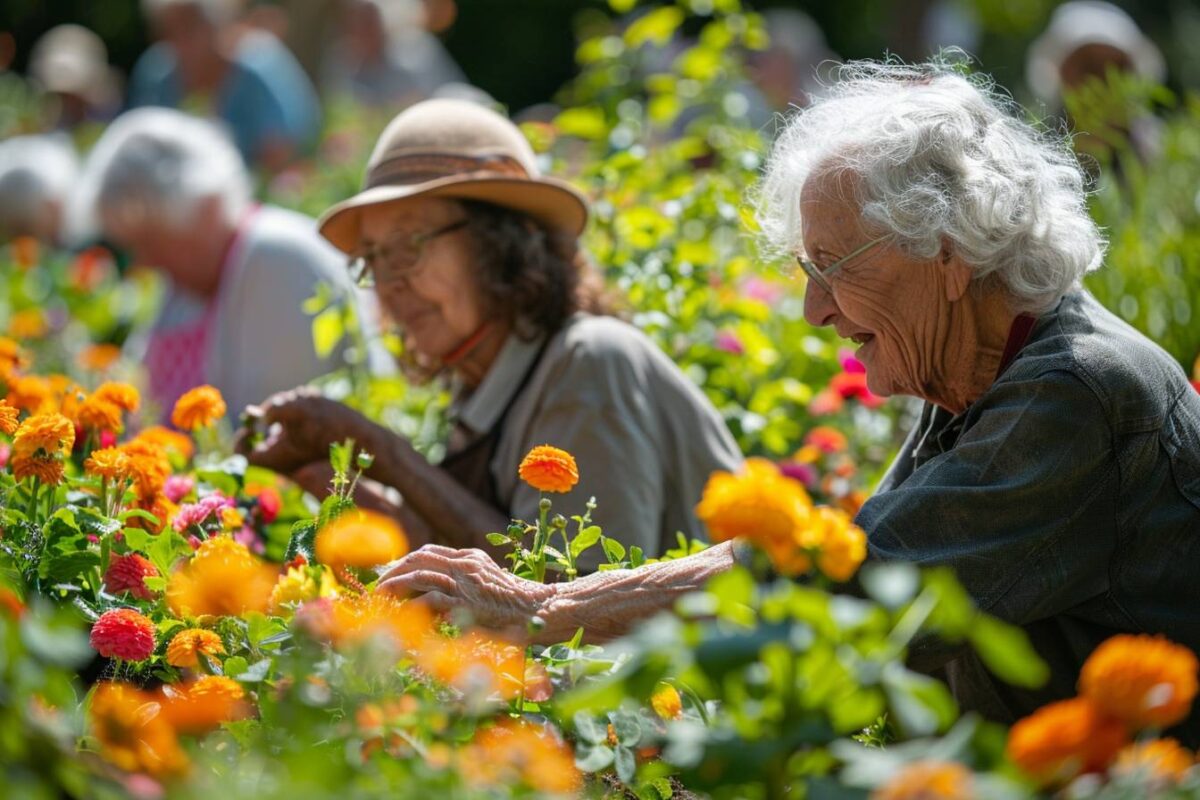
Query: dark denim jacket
column 1067, row 498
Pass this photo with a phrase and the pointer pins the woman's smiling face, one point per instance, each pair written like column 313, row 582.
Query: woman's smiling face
column 438, row 303
column 892, row 305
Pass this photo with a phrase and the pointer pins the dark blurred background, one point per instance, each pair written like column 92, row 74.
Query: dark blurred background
column 521, row 51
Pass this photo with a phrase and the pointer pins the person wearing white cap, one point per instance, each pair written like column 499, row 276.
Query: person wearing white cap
column 70, row 63
column 37, row 174
column 1083, row 40
column 475, row 257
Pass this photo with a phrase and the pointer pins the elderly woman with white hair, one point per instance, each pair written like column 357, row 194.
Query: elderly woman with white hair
column 1056, row 462
column 37, row 174
column 173, row 191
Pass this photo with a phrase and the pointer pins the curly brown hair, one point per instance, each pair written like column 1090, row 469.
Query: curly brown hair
column 532, row 276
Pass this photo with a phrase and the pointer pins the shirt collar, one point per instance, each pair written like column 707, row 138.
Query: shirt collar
column 480, row 410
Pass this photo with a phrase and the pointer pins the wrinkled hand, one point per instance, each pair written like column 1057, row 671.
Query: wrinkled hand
column 447, row 579
column 299, row 424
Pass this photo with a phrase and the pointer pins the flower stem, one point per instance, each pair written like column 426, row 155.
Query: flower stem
column 33, row 498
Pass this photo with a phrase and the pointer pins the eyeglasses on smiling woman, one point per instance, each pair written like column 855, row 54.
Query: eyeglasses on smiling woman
column 396, row 259
column 821, row 276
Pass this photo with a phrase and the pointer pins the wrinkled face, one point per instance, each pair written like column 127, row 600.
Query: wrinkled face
column 437, row 301
column 892, row 306
column 181, row 251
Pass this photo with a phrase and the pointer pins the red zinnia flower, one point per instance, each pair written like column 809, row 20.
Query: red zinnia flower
column 123, row 633
column 128, row 574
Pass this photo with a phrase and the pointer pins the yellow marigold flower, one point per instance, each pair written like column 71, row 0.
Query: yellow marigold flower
column 198, row 408
column 168, row 440
column 223, row 578
column 1158, row 761
column 353, row 619
column 133, row 733
column 762, row 506
column 549, row 469
column 842, row 544
column 109, row 463
column 666, row 702
column 232, row 519
column 928, row 780
column 298, row 585
column 203, row 704
column 8, row 418
column 98, row 357
column 186, row 647
column 515, row 753
column 1144, row 681
column 100, row 415
column 361, row 539
column 27, row 324
column 1062, row 740
column 12, row 357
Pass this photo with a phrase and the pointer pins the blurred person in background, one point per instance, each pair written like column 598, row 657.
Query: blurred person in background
column 250, row 82
column 1084, row 41
column 172, row 190
column 475, row 256
column 785, row 74
column 70, row 64
column 37, row 175
column 385, row 57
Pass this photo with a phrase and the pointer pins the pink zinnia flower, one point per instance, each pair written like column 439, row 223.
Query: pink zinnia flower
column 805, row 473
column 729, row 342
column 761, row 290
column 5, row 451
column 178, row 487
column 123, row 633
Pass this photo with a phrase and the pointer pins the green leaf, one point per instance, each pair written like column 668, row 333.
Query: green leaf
column 627, row 727
column 593, row 759
column 613, row 549
column 589, row 729
column 584, row 123
column 302, row 541
column 67, row 567
column 585, row 539
column 498, row 539
column 235, row 666
column 622, row 6
column 637, row 556
column 1006, row 651
column 625, row 763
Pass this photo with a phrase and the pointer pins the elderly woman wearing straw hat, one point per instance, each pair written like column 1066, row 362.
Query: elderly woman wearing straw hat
column 474, row 256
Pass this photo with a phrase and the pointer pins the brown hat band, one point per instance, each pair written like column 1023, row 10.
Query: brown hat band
column 421, row 167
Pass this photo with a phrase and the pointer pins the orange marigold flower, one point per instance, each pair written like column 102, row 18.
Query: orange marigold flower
column 109, row 463
column 474, row 663
column 123, row 633
column 223, row 578
column 351, row 619
column 27, row 324
column 842, row 545
column 8, row 418
column 52, row 434
column 168, row 440
column 1062, row 740
column 10, row 603
column 203, row 704
column 32, row 393
column 11, row 357
column 133, row 733
column 149, row 467
column 128, row 573
column 186, row 647
column 549, row 469
column 514, row 753
column 666, row 702
column 826, row 439
column 361, row 539
column 1144, row 681
column 26, row 251
column 928, row 780
column 100, row 415
column 98, row 357
column 198, row 408
column 123, row 395
column 49, row 471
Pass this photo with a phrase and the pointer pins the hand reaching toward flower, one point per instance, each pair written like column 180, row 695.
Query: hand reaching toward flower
column 300, row 424
column 448, row 579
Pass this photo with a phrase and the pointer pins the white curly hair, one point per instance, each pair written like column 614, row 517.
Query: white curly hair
column 936, row 156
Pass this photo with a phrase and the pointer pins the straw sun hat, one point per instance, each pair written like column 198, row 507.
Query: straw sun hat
column 456, row 149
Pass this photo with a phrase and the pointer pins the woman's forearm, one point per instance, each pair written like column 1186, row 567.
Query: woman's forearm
column 608, row 604
column 453, row 515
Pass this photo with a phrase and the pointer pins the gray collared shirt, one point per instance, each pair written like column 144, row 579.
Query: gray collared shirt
column 1067, row 499
column 645, row 438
